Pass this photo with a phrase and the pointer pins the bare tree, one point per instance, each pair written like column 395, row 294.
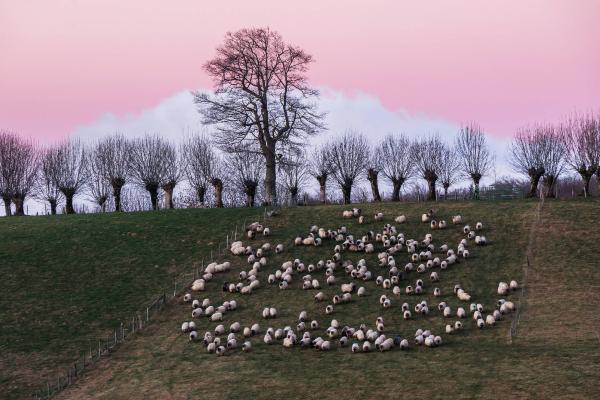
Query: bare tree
column 320, row 168
column 581, row 135
column 70, row 170
column 428, row 155
column 450, row 169
column 554, row 153
column 261, row 95
column 200, row 163
column 373, row 169
column 18, row 170
column 173, row 172
column 149, row 164
column 475, row 157
column 395, row 157
column 112, row 158
column 295, row 173
column 349, row 156
column 246, row 167
column 46, row 188
column 98, row 184
column 526, row 156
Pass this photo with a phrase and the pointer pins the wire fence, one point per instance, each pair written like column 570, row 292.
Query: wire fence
column 128, row 328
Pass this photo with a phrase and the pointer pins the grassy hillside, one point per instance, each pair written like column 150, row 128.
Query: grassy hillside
column 554, row 353
column 68, row 279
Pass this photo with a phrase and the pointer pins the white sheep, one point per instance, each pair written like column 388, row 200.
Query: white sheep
column 279, row 248
column 329, row 309
column 437, row 292
column 198, row 285
column 247, row 346
column 513, row 285
column 457, row 220
column 478, row 226
column 361, row 291
column 460, row 312
column 217, row 316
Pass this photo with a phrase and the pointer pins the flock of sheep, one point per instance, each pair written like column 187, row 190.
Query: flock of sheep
column 425, row 258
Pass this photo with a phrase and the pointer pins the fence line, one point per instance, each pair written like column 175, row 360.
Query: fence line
column 129, row 327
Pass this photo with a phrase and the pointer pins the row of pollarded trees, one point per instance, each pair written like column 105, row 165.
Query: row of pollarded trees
column 542, row 152
column 350, row 159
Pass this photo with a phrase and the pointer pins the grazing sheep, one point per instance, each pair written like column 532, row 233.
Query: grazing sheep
column 279, row 249
column 325, row 345
column 489, row 320
column 437, row 292
column 361, row 291
column 503, row 288
column 406, row 315
column 347, row 214
column 197, row 312
column 366, row 347
column 378, row 216
column 187, row 298
column 400, row 219
column 329, row 309
column 447, row 312
column 425, row 218
column 434, row 277
column 466, row 229
column 247, row 346
column 478, row 226
column 185, row 327
column 216, row 317
column 235, row 327
column 198, row 285
column 480, row 323
column 460, row 312
column 319, row 296
column 513, row 285
column 219, row 330
column 449, row 329
column 314, row 324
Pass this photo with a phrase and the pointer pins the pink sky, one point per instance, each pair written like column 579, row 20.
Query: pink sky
column 502, row 63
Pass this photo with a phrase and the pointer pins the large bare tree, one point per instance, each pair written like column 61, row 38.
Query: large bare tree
column 526, row 156
column 349, row 156
column 70, row 170
column 200, row 163
column 111, row 155
column 149, row 164
column 373, row 169
column 46, row 188
column 474, row 155
column 450, row 170
column 98, row 183
column 395, row 157
column 261, row 95
column 18, row 170
column 295, row 173
column 581, row 134
column 321, row 168
column 246, row 168
column 428, row 154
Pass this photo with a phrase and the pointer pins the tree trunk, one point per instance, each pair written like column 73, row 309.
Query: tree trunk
column 169, row 188
column 396, row 187
column 322, row 179
column 19, row 202
column 586, row 179
column 69, row 202
column 431, row 194
column 533, row 185
column 270, row 178
column 550, row 186
column 201, row 192
column 153, row 190
column 446, row 187
column 250, row 195
column 117, row 185
column 476, row 178
column 294, row 196
column 7, row 209
column 52, row 206
column 218, row 186
column 347, row 191
column 372, row 177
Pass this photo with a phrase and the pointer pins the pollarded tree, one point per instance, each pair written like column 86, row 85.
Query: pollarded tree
column 173, row 173
column 46, row 188
column 70, row 172
column 98, row 185
column 246, row 168
column 395, row 157
column 149, row 164
column 200, row 162
column 450, row 169
column 295, row 173
column 111, row 156
column 321, row 168
column 581, row 135
column 18, row 170
column 349, row 156
column 428, row 154
column 261, row 95
column 554, row 153
column 526, row 156
column 373, row 169
column 475, row 157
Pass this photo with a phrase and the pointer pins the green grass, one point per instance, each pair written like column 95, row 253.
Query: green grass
column 554, row 354
column 67, row 280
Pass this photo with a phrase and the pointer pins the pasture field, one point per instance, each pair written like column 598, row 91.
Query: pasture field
column 68, row 279
column 554, row 354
